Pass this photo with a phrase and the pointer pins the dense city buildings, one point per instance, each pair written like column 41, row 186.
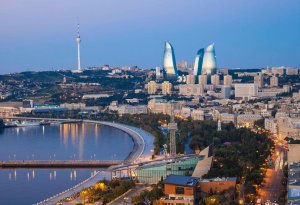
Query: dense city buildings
column 121, row 119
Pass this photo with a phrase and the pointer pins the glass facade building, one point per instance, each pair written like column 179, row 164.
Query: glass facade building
column 169, row 63
column 152, row 174
column 198, row 62
column 209, row 66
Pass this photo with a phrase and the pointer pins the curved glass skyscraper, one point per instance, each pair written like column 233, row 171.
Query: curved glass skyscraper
column 209, row 66
column 198, row 62
column 169, row 61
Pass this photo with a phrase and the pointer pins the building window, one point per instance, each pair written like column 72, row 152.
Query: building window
column 179, row 190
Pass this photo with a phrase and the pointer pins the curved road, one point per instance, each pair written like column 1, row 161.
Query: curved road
column 143, row 144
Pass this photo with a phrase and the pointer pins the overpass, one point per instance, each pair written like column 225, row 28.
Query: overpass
column 58, row 164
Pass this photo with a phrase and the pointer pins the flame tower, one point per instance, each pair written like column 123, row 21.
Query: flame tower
column 169, row 63
column 78, row 40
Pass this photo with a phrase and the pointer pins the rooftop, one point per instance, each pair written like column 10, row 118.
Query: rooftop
column 181, row 180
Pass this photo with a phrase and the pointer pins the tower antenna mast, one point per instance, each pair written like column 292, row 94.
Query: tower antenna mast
column 78, row 40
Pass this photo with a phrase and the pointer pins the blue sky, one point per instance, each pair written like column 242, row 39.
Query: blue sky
column 40, row 35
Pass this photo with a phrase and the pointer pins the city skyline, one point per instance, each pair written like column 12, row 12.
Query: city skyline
column 265, row 34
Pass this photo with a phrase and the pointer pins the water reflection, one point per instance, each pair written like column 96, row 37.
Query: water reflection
column 55, row 142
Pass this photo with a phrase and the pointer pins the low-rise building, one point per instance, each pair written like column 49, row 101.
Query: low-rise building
column 180, row 190
column 9, row 111
column 163, row 106
column 73, row 106
column 228, row 118
column 132, row 110
column 247, row 120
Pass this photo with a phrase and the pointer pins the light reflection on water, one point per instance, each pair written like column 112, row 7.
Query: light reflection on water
column 58, row 142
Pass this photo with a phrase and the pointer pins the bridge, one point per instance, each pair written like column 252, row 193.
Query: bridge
column 45, row 119
column 58, row 164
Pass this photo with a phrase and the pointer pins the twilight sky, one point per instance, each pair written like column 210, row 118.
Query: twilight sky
column 40, row 35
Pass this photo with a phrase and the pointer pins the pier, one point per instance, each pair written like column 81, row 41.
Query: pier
column 58, row 164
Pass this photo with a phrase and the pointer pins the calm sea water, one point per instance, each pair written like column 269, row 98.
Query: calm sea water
column 56, row 142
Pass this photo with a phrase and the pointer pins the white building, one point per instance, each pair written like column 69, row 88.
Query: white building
column 215, row 79
column 152, row 87
column 132, row 110
column 190, row 79
column 246, row 90
column 157, row 73
column 271, row 125
column 163, row 106
column 166, row 88
column 228, row 80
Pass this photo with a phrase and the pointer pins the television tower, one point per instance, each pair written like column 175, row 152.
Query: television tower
column 78, row 40
column 172, row 130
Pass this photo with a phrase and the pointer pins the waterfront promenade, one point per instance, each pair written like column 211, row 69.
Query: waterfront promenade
column 143, row 144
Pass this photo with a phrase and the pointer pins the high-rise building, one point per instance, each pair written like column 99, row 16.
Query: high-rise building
column 152, row 87
column 274, row 81
column 198, row 62
column 209, row 66
column 202, row 79
column 228, row 80
column 259, row 80
column 166, row 88
column 190, row 79
column 157, row 73
column 215, row 79
column 225, row 91
column 169, row 63
column 246, row 90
